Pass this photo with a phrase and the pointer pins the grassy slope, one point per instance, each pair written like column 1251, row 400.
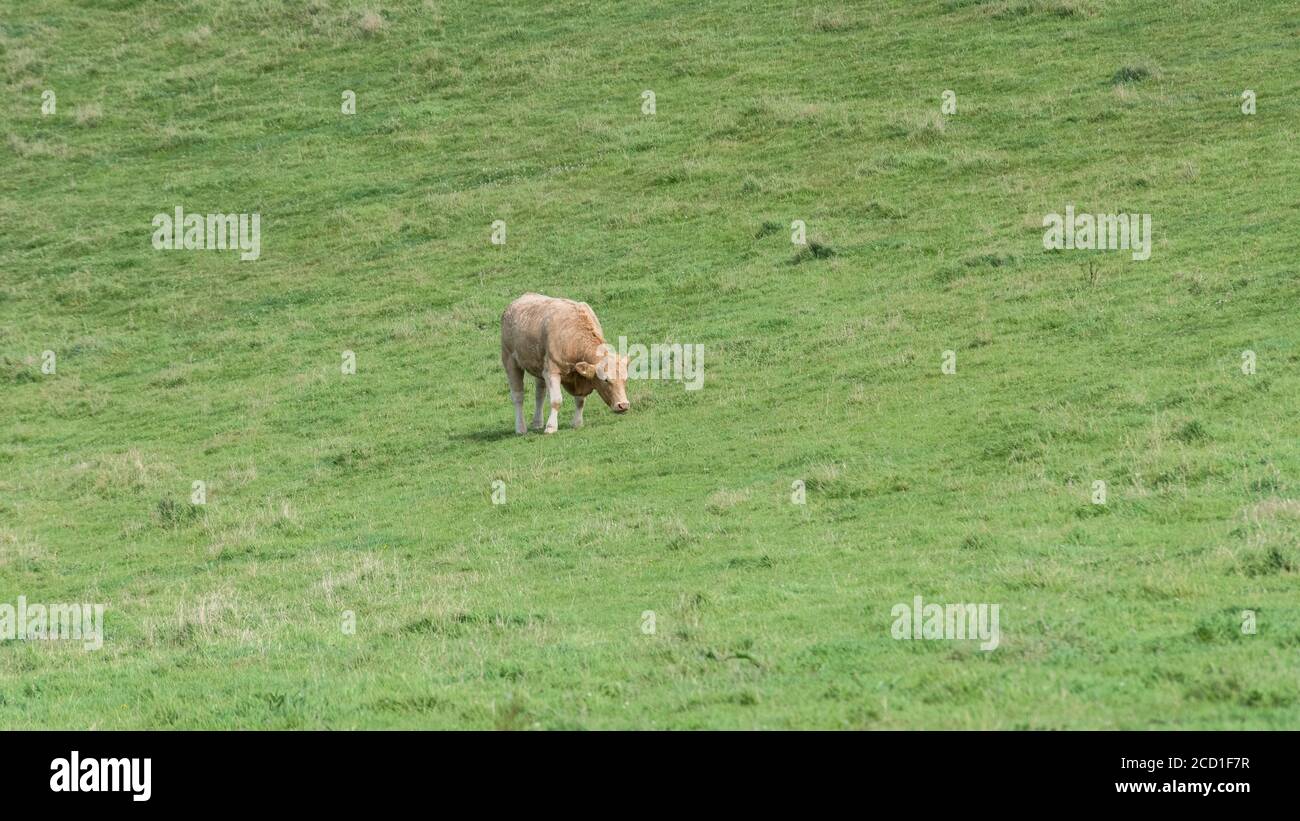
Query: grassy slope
column 371, row 492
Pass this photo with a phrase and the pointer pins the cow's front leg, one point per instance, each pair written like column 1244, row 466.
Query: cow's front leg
column 553, row 421
column 577, row 415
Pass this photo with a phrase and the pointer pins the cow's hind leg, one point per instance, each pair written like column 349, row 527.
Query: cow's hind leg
column 541, row 397
column 515, row 375
column 577, row 415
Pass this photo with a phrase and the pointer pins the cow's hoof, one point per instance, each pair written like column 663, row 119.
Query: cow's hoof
column 549, row 430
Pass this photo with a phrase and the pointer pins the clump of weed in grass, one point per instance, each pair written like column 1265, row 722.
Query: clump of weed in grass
column 690, row 606
column 1087, row 511
column 35, row 148
column 424, row 625
column 22, row 61
column 1287, row 509
column 741, row 653
column 1218, row 686
column 976, row 541
column 755, row 118
column 12, row 370
column 879, row 209
column 745, row 698
column 197, row 37
column 833, row 481
column 768, row 228
column 927, row 128
column 1224, row 625
column 371, row 23
column 1094, row 274
column 827, row 21
column 505, row 670
column 611, row 689
column 674, row 176
column 1070, row 8
column 813, row 250
column 513, row 716
column 410, row 704
column 948, row 273
column 722, row 501
column 351, row 458
column 822, row 477
column 1190, row 432
column 437, row 69
column 88, row 114
column 1134, row 74
column 1266, row 484
column 172, row 514
column 989, row 261
column 1267, row 563
column 675, row 534
column 171, row 377
column 171, row 136
column 21, row 553
column 457, row 624
column 1056, row 8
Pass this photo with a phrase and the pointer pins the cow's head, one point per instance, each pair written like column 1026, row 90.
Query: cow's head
column 609, row 376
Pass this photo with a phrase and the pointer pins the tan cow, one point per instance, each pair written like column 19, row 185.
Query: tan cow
column 559, row 342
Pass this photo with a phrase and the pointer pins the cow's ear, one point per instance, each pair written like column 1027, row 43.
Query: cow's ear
column 585, row 369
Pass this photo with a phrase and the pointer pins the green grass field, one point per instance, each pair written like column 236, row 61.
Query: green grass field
column 372, row 492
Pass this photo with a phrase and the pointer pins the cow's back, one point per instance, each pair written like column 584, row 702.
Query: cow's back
column 535, row 326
